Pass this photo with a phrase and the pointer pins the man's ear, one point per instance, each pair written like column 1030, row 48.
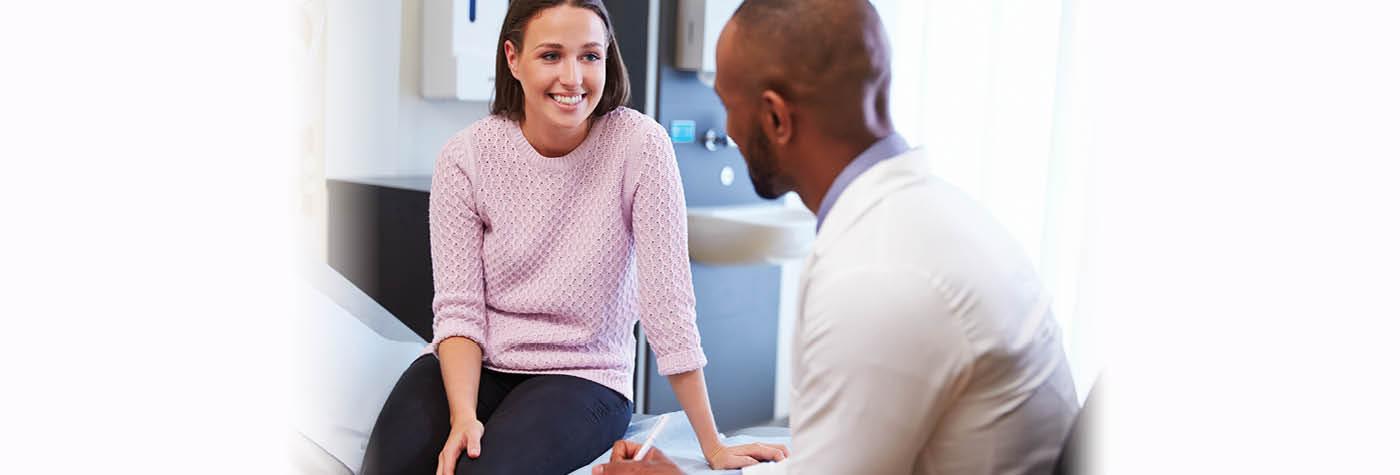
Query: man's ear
column 512, row 58
column 776, row 115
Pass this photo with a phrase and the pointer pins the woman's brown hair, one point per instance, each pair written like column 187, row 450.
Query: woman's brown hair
column 510, row 98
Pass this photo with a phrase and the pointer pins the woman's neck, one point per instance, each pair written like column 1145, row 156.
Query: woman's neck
column 552, row 141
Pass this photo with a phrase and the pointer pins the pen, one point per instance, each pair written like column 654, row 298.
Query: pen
column 654, row 430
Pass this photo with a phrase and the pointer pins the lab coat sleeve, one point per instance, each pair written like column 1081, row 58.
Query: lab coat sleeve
column 665, row 292
column 881, row 358
column 455, row 235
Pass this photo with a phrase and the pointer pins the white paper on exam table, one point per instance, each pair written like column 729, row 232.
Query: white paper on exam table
column 677, row 441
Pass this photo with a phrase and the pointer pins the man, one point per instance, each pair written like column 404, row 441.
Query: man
column 924, row 343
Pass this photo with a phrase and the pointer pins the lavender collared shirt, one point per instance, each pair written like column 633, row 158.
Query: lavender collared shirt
column 884, row 149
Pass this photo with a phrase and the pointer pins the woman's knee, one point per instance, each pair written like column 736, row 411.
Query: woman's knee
column 419, row 389
column 413, row 423
column 422, row 371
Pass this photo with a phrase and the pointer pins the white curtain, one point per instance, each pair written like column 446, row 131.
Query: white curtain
column 311, row 71
column 986, row 87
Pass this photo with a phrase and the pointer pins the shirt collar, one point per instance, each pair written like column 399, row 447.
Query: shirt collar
column 886, row 148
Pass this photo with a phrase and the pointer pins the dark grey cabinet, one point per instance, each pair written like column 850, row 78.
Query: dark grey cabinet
column 378, row 240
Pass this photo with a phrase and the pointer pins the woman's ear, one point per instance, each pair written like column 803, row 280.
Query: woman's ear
column 776, row 115
column 512, row 59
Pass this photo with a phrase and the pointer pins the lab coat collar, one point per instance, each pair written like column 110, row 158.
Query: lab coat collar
column 907, row 169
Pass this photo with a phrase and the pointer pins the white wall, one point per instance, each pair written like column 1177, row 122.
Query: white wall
column 376, row 121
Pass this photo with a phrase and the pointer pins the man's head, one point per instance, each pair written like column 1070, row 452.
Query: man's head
column 805, row 84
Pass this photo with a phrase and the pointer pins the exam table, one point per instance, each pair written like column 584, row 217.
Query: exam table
column 353, row 352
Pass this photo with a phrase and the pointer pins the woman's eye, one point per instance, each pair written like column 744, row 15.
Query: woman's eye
column 550, row 56
column 592, row 57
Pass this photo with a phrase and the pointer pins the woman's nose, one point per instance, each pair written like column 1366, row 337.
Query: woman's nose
column 572, row 75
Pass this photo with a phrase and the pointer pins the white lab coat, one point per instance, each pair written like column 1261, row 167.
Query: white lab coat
column 924, row 343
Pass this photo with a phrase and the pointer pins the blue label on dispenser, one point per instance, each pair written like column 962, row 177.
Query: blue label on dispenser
column 682, row 131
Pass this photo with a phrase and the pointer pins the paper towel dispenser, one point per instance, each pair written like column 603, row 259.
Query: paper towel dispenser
column 698, row 23
column 459, row 48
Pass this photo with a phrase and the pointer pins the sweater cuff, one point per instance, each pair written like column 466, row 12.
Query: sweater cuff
column 450, row 327
column 680, row 362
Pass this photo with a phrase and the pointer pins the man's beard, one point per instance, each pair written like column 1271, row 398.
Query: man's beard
column 763, row 172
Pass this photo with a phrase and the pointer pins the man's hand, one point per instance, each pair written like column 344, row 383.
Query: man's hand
column 653, row 463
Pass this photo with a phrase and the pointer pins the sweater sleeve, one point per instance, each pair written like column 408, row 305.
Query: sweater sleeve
column 455, row 232
column 666, row 295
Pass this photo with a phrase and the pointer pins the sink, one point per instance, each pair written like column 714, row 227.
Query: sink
column 749, row 234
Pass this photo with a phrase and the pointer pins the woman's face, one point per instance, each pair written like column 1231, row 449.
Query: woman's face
column 561, row 65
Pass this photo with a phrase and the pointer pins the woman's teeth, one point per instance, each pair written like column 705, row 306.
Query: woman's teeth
column 567, row 100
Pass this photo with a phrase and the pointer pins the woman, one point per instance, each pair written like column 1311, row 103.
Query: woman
column 556, row 223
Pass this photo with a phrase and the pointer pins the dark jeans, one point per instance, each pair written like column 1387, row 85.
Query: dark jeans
column 545, row 424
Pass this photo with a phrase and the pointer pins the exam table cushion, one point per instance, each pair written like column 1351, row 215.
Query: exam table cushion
column 351, row 353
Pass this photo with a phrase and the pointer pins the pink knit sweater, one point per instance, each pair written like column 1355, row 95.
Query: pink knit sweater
column 547, row 263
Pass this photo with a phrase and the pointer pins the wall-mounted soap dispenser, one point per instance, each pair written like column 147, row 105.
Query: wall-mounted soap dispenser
column 459, row 48
column 698, row 23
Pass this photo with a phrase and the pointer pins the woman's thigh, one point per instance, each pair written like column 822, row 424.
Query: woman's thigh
column 414, row 423
column 550, row 424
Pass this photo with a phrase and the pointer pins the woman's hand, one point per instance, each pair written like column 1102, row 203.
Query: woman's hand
column 739, row 456
column 465, row 436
